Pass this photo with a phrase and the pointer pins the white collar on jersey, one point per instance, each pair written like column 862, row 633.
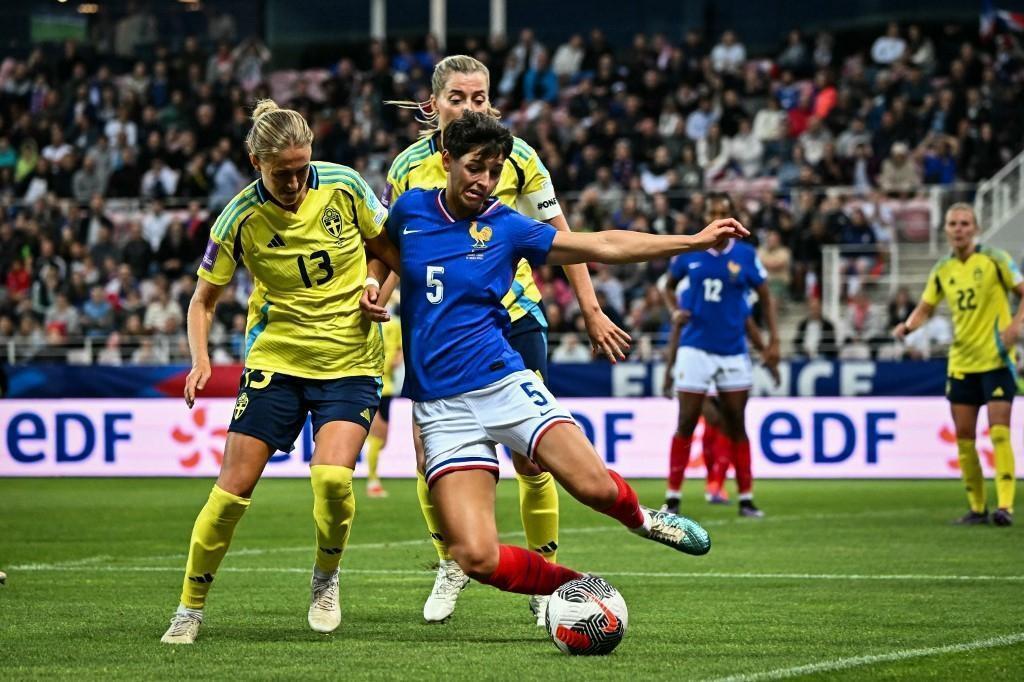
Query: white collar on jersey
column 444, row 209
column 727, row 249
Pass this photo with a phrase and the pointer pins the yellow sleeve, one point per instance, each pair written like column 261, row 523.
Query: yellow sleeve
column 932, row 294
column 537, row 196
column 224, row 249
column 1009, row 274
column 392, row 190
column 370, row 213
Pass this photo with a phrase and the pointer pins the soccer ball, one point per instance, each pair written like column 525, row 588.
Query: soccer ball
column 586, row 617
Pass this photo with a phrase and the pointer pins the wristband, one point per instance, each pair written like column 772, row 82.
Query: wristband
column 371, row 281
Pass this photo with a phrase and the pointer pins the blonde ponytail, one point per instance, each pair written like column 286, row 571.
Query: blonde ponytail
column 456, row 63
column 275, row 129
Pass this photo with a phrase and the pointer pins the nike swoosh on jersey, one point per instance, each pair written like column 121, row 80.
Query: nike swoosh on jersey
column 546, row 411
column 408, row 231
column 694, row 266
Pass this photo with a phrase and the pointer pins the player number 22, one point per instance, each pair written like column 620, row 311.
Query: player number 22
column 713, row 290
column 435, row 287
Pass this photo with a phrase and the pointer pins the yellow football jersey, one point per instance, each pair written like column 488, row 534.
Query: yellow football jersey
column 308, row 270
column 392, row 331
column 525, row 186
column 976, row 292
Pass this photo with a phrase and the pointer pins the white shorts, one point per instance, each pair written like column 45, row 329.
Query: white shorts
column 698, row 371
column 461, row 432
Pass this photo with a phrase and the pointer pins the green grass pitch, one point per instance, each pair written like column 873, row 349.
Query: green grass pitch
column 842, row 580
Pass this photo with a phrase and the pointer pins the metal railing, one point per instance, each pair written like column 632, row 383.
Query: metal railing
column 999, row 198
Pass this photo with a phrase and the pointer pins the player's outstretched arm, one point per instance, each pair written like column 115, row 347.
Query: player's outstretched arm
column 620, row 246
column 200, row 317
column 605, row 337
column 918, row 316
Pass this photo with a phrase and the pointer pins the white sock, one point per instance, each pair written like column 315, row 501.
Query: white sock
column 184, row 610
column 320, row 575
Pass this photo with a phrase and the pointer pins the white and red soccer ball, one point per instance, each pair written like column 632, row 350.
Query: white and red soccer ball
column 587, row 617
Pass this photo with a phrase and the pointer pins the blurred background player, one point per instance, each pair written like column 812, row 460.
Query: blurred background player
column 713, row 351
column 975, row 282
column 716, row 450
column 308, row 350
column 378, row 438
column 461, row 83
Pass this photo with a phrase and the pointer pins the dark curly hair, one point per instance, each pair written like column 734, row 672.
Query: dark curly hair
column 474, row 130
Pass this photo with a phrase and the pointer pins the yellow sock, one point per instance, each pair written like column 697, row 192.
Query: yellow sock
column 430, row 516
column 1005, row 483
column 334, row 508
column 211, row 536
column 970, row 470
column 374, row 445
column 538, row 508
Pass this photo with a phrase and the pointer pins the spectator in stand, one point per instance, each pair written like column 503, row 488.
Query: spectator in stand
column 890, row 47
column 568, row 59
column 97, row 314
column 569, row 349
column 163, row 315
column 816, row 334
column 777, row 261
column 729, row 56
column 540, row 82
column 900, row 175
column 745, row 150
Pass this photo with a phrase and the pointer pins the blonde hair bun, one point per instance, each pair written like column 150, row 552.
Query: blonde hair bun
column 263, row 106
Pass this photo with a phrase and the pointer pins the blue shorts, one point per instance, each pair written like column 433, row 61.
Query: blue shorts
column 529, row 338
column 273, row 406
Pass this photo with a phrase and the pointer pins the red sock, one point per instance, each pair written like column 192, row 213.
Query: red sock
column 709, row 443
column 678, row 460
column 520, row 570
column 741, row 460
column 626, row 508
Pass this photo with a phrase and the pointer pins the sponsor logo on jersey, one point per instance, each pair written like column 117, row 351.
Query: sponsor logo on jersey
column 331, row 220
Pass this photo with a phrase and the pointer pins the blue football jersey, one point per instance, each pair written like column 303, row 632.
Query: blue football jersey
column 719, row 282
column 454, row 275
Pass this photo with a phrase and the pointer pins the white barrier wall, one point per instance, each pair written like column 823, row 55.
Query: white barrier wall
column 790, row 437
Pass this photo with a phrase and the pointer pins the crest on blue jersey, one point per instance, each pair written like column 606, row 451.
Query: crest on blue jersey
column 734, row 269
column 481, row 235
column 331, row 220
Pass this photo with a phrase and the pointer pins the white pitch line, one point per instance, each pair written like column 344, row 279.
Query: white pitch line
column 891, row 657
column 585, row 530
column 625, row 574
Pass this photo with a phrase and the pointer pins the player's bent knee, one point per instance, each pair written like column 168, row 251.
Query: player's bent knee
column 479, row 562
column 331, row 482
column 525, row 466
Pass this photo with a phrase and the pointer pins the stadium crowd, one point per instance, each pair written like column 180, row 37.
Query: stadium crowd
column 115, row 160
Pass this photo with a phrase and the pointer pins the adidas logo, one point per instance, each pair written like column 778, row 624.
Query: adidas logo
column 275, row 242
column 331, row 550
column 546, row 549
column 202, row 579
column 998, row 393
column 365, row 414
